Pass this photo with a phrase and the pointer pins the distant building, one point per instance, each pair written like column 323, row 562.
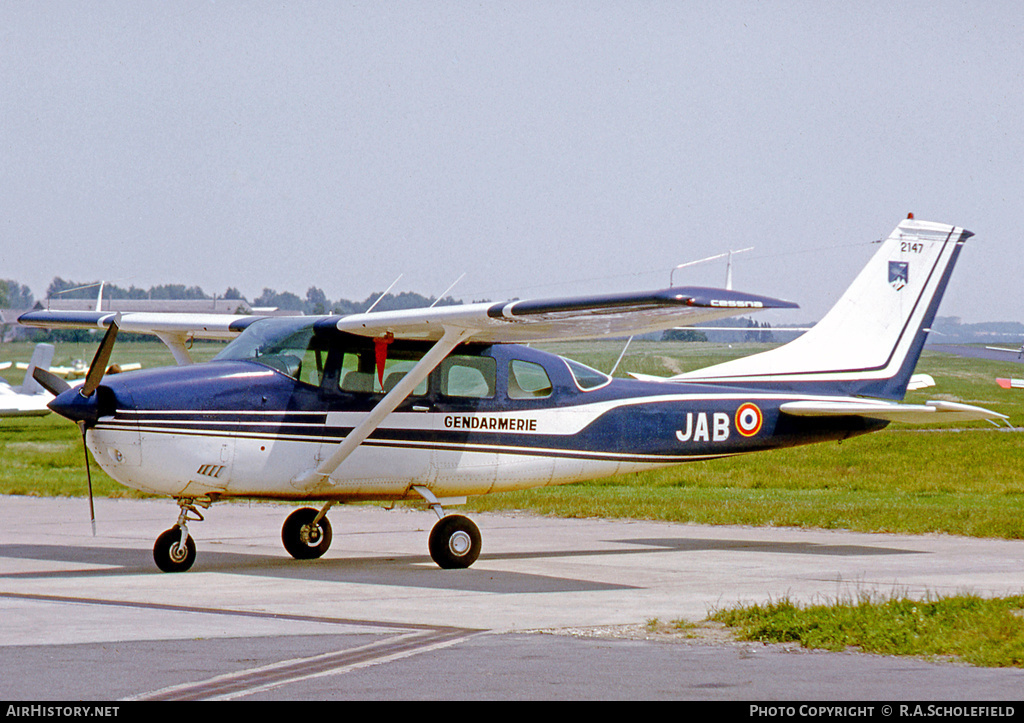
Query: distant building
column 164, row 306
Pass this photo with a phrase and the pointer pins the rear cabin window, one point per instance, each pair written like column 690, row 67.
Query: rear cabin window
column 470, row 377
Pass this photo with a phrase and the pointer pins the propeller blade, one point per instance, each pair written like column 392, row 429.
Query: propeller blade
column 99, row 362
column 50, row 381
column 88, row 477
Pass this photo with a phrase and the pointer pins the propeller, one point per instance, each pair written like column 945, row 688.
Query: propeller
column 74, row 406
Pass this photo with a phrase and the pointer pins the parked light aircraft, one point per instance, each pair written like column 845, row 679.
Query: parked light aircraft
column 442, row 403
column 1009, row 383
column 78, row 369
column 29, row 399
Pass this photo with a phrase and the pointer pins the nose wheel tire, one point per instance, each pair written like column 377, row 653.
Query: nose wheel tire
column 454, row 542
column 170, row 555
column 304, row 540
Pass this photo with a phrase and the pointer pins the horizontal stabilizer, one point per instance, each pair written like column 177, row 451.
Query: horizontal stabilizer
column 920, row 381
column 936, row 411
column 1011, row 383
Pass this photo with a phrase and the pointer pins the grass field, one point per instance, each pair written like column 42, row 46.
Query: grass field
column 967, row 480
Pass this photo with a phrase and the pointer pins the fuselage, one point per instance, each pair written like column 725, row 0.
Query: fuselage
column 490, row 418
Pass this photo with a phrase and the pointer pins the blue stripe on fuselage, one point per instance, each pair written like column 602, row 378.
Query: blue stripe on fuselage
column 638, row 421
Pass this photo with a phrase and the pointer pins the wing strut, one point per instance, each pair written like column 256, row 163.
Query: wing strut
column 452, row 338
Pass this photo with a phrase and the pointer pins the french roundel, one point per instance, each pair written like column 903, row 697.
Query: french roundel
column 748, row 419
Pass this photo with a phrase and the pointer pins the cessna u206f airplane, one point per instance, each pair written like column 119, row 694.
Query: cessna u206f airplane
column 442, row 403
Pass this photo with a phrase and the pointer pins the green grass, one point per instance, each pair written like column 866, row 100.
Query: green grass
column 43, row 456
column 978, row 631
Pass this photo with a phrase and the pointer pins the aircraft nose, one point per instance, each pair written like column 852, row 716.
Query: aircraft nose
column 72, row 405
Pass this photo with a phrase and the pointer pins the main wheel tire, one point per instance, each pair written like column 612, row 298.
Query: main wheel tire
column 454, row 542
column 169, row 554
column 302, row 539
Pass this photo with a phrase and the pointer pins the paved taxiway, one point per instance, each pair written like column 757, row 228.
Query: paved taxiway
column 85, row 617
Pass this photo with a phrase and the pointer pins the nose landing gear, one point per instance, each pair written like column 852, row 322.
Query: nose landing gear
column 175, row 550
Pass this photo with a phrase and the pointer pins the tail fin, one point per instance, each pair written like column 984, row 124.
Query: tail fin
column 42, row 357
column 869, row 342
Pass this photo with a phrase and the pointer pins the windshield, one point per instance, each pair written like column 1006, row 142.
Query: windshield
column 287, row 345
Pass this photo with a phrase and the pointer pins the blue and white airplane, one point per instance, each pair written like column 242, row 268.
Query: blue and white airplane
column 439, row 404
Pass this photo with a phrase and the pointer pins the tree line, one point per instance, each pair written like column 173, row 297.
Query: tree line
column 14, row 295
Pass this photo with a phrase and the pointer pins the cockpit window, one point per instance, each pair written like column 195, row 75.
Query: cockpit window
column 586, row 378
column 287, row 345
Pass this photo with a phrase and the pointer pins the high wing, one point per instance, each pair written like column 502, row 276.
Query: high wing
column 525, row 321
column 519, row 321
column 174, row 329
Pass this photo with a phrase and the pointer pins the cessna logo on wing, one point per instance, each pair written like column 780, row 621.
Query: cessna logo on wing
column 736, row 304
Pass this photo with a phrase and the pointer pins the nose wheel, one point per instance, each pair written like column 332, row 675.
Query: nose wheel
column 175, row 551
column 173, row 555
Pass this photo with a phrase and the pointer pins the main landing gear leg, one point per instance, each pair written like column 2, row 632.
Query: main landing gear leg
column 174, row 550
column 455, row 540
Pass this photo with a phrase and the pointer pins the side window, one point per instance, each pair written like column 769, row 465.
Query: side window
column 527, row 380
column 359, row 372
column 311, row 370
column 468, row 376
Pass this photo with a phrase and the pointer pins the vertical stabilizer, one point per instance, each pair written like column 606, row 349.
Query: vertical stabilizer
column 869, row 342
column 42, row 357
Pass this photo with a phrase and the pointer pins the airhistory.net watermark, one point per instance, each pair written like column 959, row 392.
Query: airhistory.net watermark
column 61, row 711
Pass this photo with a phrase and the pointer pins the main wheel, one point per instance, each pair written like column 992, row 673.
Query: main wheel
column 454, row 542
column 170, row 555
column 303, row 539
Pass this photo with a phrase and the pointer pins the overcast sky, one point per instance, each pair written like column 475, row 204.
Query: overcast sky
column 541, row 148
